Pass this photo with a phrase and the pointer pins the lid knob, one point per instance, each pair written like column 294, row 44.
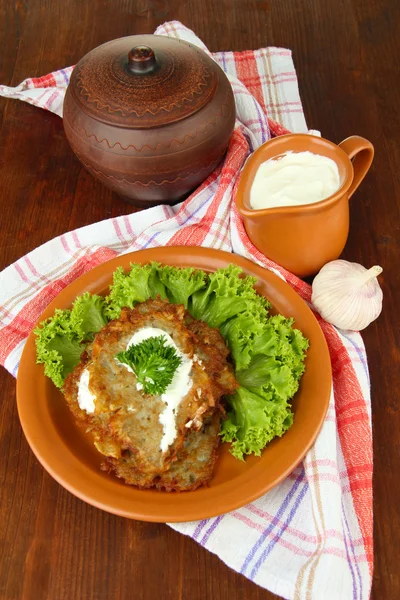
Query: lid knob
column 141, row 60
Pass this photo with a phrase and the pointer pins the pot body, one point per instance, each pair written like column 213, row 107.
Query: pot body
column 152, row 161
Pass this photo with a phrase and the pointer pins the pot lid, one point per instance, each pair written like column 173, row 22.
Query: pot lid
column 144, row 81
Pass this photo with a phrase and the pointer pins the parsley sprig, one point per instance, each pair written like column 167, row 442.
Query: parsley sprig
column 153, row 362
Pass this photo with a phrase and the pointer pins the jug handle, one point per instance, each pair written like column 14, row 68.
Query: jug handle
column 362, row 151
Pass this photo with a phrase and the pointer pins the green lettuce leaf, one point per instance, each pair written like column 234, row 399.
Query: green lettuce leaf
column 88, row 315
column 269, row 359
column 61, row 339
column 240, row 334
column 286, row 344
column 139, row 284
column 156, row 286
column 267, row 374
column 253, row 421
column 227, row 295
column 58, row 346
column 149, row 281
column 181, row 283
column 278, row 360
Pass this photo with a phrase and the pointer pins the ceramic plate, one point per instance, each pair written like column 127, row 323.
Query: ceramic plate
column 68, row 454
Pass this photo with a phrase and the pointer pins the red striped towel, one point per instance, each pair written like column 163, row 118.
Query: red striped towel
column 311, row 536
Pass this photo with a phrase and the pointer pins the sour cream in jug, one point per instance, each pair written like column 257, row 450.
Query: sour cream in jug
column 293, row 179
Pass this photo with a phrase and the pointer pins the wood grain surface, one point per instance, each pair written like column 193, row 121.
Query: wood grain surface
column 347, row 56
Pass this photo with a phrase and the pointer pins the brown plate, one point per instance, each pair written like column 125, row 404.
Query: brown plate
column 67, row 453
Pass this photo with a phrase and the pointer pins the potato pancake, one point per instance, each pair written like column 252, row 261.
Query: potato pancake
column 125, row 422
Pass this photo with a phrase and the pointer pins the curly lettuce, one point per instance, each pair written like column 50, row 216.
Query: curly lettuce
column 181, row 283
column 61, row 339
column 241, row 334
column 88, row 315
column 253, row 421
column 227, row 295
column 140, row 283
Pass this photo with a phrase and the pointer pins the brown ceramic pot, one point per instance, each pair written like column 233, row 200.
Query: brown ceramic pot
column 304, row 238
column 149, row 116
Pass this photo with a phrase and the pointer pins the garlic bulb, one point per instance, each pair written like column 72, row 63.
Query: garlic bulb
column 347, row 294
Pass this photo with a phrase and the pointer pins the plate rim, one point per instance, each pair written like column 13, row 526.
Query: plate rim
column 163, row 515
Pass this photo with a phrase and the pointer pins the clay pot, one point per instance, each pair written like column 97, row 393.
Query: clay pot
column 304, row 238
column 149, row 116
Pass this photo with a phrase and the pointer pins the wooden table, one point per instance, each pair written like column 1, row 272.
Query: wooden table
column 53, row 546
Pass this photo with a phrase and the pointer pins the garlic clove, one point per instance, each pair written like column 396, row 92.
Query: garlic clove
column 347, row 294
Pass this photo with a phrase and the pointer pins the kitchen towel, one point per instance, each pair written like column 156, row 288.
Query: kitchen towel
column 311, row 536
